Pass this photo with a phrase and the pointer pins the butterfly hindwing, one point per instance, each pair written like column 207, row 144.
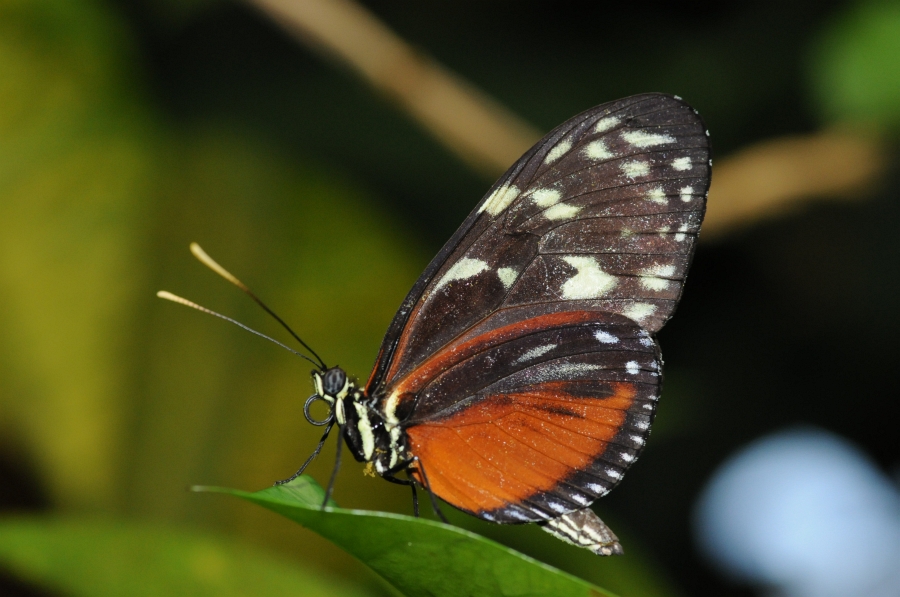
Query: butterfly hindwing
column 601, row 215
column 538, row 415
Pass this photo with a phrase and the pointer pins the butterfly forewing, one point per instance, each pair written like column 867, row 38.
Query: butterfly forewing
column 602, row 214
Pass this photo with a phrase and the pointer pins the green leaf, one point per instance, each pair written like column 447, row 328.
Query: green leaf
column 417, row 556
column 855, row 66
column 102, row 557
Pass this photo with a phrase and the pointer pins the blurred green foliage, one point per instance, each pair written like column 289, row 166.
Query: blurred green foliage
column 855, row 67
column 119, row 399
column 132, row 560
column 329, row 204
column 76, row 163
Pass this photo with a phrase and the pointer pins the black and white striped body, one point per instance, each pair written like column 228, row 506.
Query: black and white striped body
column 368, row 435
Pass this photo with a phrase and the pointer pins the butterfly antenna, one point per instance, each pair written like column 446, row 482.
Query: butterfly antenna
column 183, row 301
column 209, row 262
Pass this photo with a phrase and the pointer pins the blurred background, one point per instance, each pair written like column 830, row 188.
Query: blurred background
column 323, row 151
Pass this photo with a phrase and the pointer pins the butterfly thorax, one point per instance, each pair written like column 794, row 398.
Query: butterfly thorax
column 368, row 435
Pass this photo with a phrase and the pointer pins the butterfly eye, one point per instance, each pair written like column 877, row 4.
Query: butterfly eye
column 333, row 381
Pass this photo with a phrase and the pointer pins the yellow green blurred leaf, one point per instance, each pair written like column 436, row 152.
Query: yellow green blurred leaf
column 855, row 66
column 84, row 557
column 74, row 163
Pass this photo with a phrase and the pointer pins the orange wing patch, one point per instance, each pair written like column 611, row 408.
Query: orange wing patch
column 508, row 447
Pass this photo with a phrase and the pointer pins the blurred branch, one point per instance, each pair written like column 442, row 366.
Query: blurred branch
column 474, row 125
column 763, row 181
column 775, row 177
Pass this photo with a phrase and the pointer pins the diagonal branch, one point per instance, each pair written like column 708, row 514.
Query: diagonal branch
column 477, row 127
column 762, row 181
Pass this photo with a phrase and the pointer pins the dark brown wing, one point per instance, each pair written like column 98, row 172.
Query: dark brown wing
column 601, row 215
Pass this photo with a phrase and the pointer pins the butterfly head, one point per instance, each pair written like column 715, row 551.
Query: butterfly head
column 332, row 386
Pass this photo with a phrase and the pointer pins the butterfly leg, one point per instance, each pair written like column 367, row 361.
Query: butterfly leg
column 415, row 499
column 584, row 529
column 408, row 465
column 337, row 465
column 311, row 456
column 388, row 476
column 434, row 503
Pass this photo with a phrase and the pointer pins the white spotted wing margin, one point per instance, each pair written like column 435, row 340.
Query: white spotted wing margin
column 602, row 214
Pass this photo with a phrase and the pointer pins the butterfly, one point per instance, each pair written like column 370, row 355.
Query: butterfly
column 519, row 379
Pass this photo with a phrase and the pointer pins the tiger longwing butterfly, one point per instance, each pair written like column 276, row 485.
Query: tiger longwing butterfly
column 519, row 379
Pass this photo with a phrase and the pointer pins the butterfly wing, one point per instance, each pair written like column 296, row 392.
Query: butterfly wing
column 532, row 414
column 521, row 364
column 601, row 214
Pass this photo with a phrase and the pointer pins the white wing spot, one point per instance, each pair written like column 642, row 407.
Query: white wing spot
column 645, row 139
column 681, row 164
column 613, row 474
column 516, row 514
column 658, row 270
column 605, row 337
column 461, row 270
column 648, row 406
column 657, row 195
column 507, row 276
column 557, row 370
column 626, row 232
column 645, row 341
column 577, row 497
column 638, row 440
column 653, row 277
column 535, row 353
column 627, row 457
column 642, row 425
column 546, row 197
column 597, row 150
column 632, row 367
column 655, row 284
column 556, row 506
column 589, row 282
column 687, row 193
column 604, row 124
column 596, row 488
column 558, row 151
column 681, row 232
column 635, row 169
column 639, row 311
column 499, row 199
column 561, row 211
